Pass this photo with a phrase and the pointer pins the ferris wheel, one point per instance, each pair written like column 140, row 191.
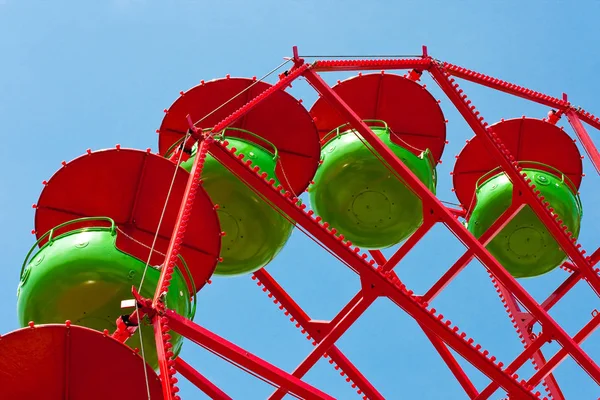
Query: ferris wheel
column 126, row 238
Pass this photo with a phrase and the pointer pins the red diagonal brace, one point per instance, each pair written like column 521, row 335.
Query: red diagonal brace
column 344, row 322
column 503, row 86
column 447, row 356
column 236, row 354
column 583, row 334
column 200, row 380
column 163, row 361
column 452, row 364
column 466, row 258
column 537, row 357
column 584, row 138
column 521, row 359
column 589, row 118
column 312, row 329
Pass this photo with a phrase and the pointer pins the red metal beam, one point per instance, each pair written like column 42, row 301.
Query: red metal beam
column 280, row 85
column 201, row 382
column 342, row 323
column 560, row 355
column 503, row 86
column 584, row 138
column 466, row 258
column 316, row 332
column 187, row 202
column 564, row 287
column 452, row 364
column 522, row 328
column 588, row 118
column 410, row 243
column 166, row 371
column 554, row 298
column 237, row 355
column 393, row 290
column 441, row 348
column 370, row 65
column 530, row 350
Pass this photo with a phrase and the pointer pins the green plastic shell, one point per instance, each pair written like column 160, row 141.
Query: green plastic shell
column 357, row 194
column 82, row 276
column 524, row 246
column 254, row 232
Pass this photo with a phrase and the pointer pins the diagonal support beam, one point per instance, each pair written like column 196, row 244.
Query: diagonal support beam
column 202, row 382
column 521, row 359
column 503, row 86
column 350, row 313
column 307, row 325
column 452, row 364
column 237, row 355
column 537, row 357
column 560, row 355
column 343, row 323
column 466, row 258
column 584, row 138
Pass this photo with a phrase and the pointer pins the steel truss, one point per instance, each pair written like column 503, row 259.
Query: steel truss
column 376, row 274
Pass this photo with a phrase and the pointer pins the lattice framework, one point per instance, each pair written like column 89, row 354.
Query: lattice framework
column 376, row 272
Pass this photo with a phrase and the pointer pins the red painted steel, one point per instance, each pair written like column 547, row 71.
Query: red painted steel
column 468, row 255
column 370, row 65
column 528, row 339
column 410, row 111
column 452, row 364
column 562, row 354
column 237, row 355
column 519, row 91
column 315, row 331
column 382, row 281
column 504, row 86
column 281, row 119
column 165, row 355
column 209, row 388
column 438, row 344
column 53, row 362
column 588, row 118
column 131, row 187
column 532, row 348
column 339, row 325
column 256, row 101
column 192, row 190
column 584, row 138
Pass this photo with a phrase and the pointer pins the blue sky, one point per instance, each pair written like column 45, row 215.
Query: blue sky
column 93, row 74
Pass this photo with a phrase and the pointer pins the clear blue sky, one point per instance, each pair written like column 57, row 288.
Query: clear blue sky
column 84, row 75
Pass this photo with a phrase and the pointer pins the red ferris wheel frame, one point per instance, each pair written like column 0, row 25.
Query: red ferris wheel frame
column 377, row 276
